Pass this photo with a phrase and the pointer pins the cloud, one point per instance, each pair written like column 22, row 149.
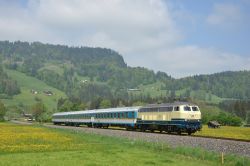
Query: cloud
column 192, row 60
column 145, row 32
column 225, row 15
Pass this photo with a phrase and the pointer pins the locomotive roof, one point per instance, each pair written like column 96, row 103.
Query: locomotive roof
column 168, row 104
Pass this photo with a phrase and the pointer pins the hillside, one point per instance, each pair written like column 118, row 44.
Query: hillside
column 225, row 84
column 26, row 97
column 8, row 86
column 62, row 66
column 89, row 78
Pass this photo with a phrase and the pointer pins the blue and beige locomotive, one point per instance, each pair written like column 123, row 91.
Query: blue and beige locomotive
column 170, row 117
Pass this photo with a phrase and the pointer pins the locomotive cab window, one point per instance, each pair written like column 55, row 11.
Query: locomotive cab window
column 177, row 108
column 195, row 108
column 187, row 108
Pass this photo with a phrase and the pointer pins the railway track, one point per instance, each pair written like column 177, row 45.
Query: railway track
column 185, row 135
column 217, row 144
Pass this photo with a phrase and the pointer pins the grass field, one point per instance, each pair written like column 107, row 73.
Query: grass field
column 33, row 145
column 226, row 132
column 28, row 83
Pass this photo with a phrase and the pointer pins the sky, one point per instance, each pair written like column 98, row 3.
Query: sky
column 179, row 37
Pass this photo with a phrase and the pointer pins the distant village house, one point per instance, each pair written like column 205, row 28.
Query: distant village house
column 33, row 91
column 48, row 93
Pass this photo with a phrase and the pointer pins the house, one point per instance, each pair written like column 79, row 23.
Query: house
column 33, row 91
column 48, row 93
column 213, row 124
column 135, row 89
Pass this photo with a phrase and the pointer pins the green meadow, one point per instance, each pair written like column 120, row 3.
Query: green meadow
column 35, row 145
column 28, row 83
column 226, row 132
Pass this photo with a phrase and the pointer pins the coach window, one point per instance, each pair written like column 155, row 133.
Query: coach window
column 133, row 114
column 126, row 115
column 177, row 108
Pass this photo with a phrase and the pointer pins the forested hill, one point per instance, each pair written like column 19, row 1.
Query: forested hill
column 68, row 68
column 101, row 72
column 8, row 86
column 41, row 53
column 228, row 84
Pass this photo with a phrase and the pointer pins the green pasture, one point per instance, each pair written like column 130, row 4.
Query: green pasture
column 226, row 132
column 35, row 145
column 155, row 90
column 28, row 83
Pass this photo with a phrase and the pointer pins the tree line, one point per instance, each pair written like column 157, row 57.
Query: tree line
column 8, row 86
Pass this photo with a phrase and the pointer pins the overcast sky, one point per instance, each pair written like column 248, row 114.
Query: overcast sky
column 179, row 37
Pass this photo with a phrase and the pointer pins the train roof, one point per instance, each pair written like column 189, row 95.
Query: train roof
column 123, row 109
column 107, row 110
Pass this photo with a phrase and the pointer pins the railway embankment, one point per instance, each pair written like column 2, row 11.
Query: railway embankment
column 217, row 145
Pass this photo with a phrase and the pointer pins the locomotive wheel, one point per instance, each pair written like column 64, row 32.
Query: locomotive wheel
column 142, row 129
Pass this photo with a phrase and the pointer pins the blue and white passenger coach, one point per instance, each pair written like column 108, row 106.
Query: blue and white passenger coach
column 170, row 117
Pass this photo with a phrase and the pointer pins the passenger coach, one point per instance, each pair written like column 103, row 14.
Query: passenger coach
column 170, row 117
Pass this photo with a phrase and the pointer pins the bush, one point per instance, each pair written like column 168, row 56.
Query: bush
column 227, row 119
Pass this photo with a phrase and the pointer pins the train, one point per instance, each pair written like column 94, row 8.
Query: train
column 177, row 117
